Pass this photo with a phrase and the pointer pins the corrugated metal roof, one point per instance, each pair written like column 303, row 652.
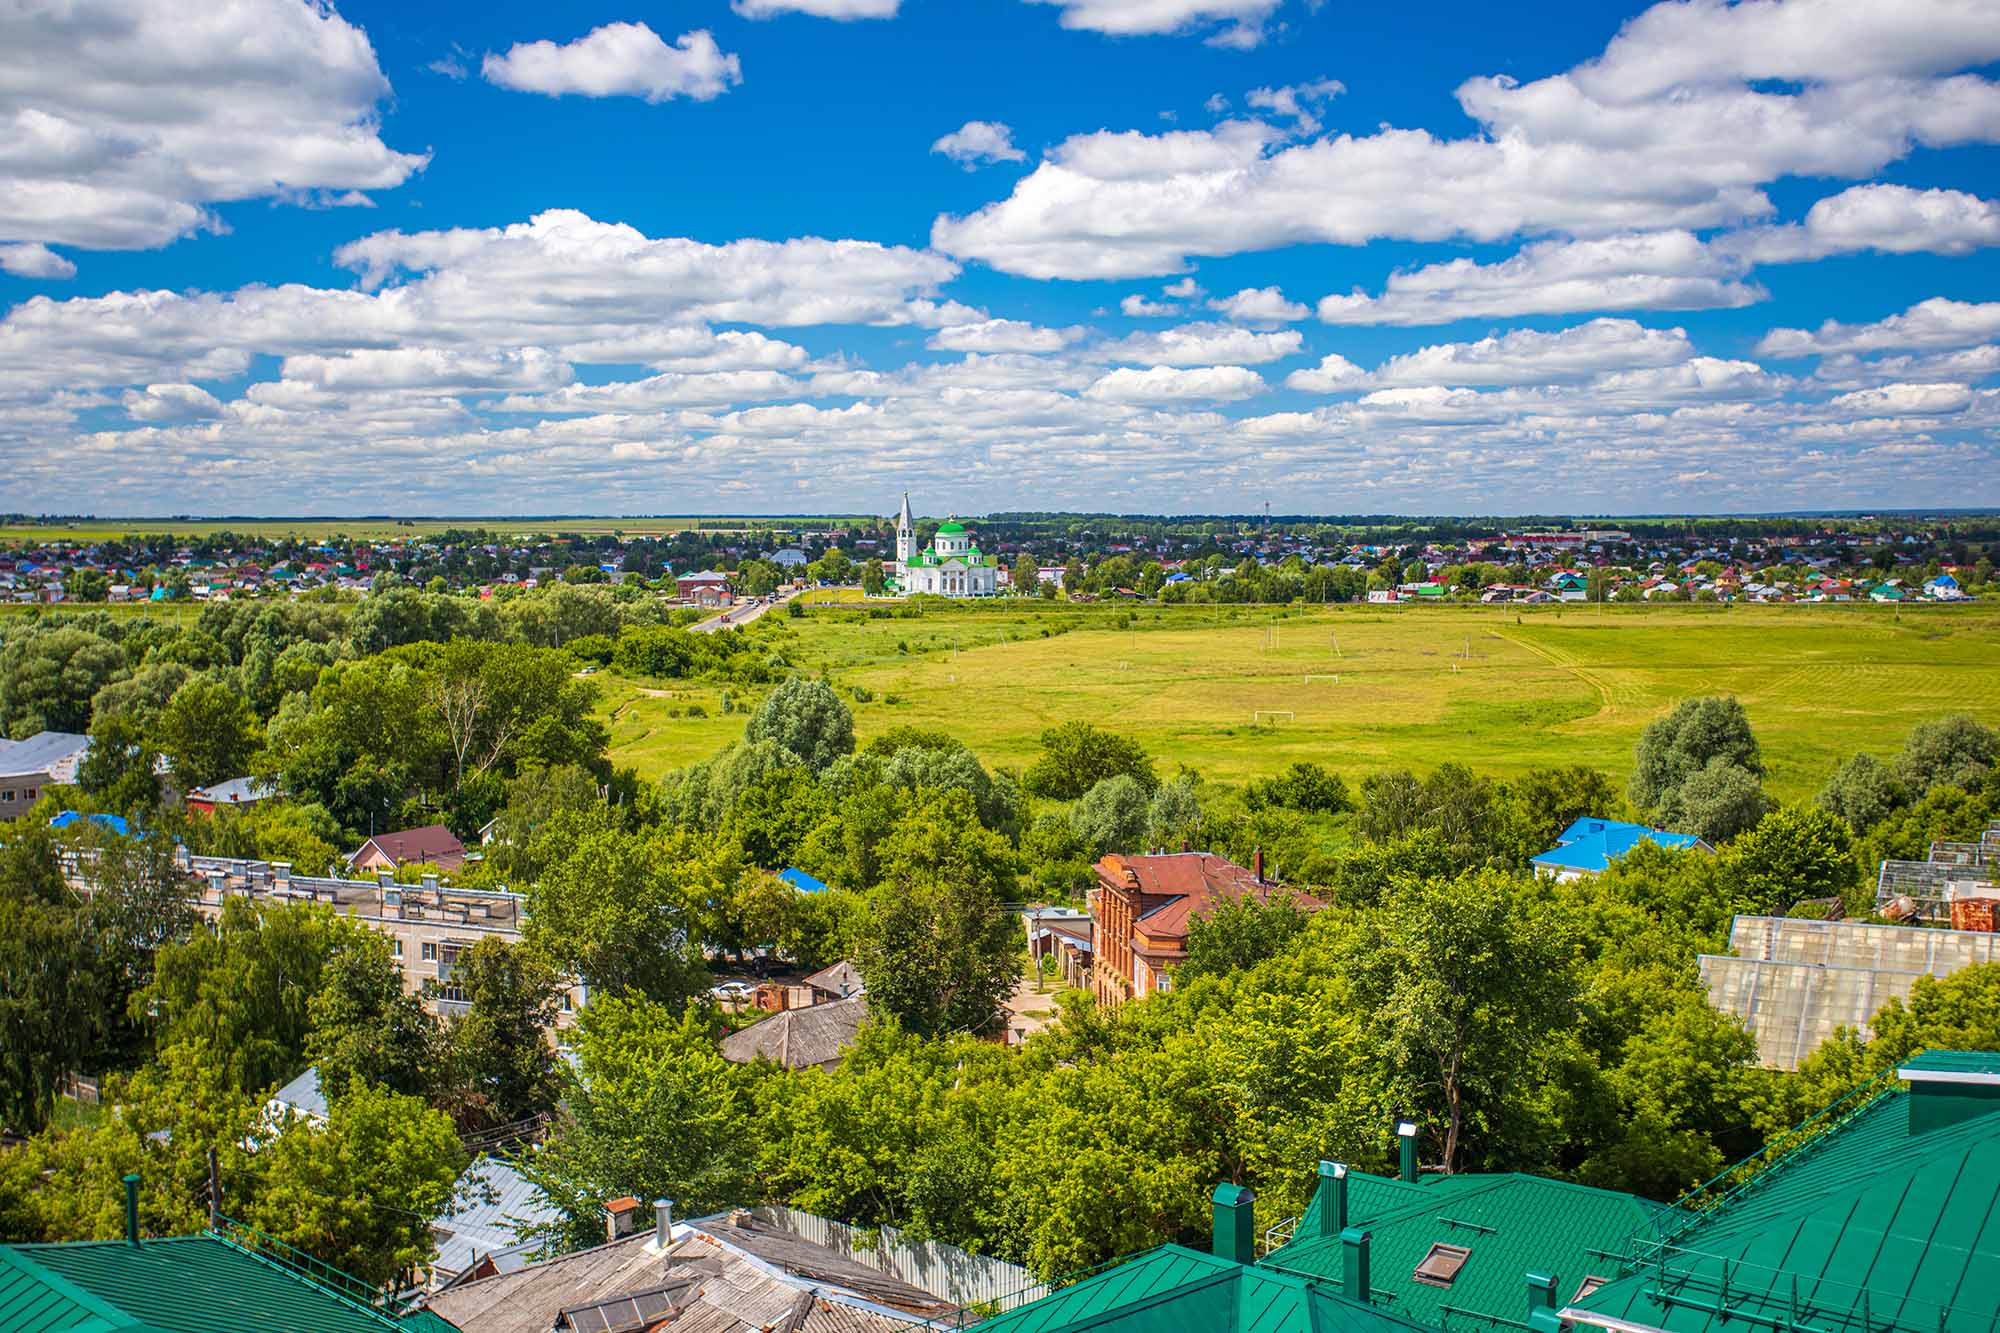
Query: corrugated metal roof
column 501, row 1198
column 1869, row 1226
column 179, row 1284
column 1512, row 1224
column 1177, row 1288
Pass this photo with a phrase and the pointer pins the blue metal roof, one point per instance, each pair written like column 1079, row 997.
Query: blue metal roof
column 801, row 881
column 1593, row 844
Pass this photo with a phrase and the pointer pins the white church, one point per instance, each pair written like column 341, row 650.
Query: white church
column 950, row 567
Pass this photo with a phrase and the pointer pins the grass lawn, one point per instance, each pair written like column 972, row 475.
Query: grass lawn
column 1368, row 688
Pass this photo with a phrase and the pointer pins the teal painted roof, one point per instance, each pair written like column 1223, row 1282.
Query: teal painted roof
column 1873, row 1226
column 180, row 1284
column 1954, row 1062
column 1177, row 1288
column 1512, row 1224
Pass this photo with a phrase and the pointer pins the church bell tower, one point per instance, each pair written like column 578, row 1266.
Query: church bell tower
column 906, row 534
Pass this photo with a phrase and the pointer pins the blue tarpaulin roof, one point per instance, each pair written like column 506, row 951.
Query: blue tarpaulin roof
column 1593, row 844
column 801, row 881
column 116, row 823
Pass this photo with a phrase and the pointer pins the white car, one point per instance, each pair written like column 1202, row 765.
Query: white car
column 734, row 990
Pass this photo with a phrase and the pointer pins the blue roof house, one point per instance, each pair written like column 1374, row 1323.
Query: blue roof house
column 1590, row 845
column 801, row 881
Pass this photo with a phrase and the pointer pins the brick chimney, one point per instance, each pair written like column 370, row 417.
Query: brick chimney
column 1257, row 864
column 621, row 1217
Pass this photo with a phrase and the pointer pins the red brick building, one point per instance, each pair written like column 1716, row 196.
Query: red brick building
column 1140, row 911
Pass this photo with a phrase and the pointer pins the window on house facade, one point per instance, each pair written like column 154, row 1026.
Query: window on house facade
column 1440, row 1267
column 7, row 797
column 568, row 1002
column 453, row 991
column 430, row 952
column 396, row 948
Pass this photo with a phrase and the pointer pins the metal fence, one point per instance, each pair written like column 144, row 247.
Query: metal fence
column 943, row 1270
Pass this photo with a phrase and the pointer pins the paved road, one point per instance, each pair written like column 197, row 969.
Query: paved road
column 738, row 615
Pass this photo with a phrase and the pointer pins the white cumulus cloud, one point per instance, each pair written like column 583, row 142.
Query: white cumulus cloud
column 1529, row 356
column 1003, row 335
column 1167, row 384
column 619, row 60
column 1937, row 323
column 1893, row 219
column 1334, row 374
column 1201, row 344
column 1610, row 147
column 1670, row 270
column 32, row 259
column 1260, row 305
column 826, row 9
column 1133, row 18
column 123, row 121
column 978, row 143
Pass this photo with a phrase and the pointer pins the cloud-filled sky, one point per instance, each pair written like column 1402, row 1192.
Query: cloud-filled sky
column 265, row 256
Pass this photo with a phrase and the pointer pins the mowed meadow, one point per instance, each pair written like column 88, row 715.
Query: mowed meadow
column 1239, row 692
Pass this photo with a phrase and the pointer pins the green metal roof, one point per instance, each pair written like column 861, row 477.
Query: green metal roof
column 1985, row 1063
column 1511, row 1224
column 1177, row 1288
column 1877, row 1224
column 180, row 1284
column 951, row 526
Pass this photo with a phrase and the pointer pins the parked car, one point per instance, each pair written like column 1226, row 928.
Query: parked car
column 734, row 990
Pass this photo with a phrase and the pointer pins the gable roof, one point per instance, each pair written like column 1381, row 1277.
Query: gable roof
column 1174, row 1287
column 484, row 1227
column 1593, row 844
column 1873, row 1222
column 796, row 1038
column 842, row 979
column 429, row 843
column 1174, row 886
column 40, row 753
column 1512, row 1225
column 175, row 1284
column 723, row 1287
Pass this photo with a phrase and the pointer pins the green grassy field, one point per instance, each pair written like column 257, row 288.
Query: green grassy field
column 1370, row 688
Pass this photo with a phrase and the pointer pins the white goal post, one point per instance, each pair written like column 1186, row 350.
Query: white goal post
column 1275, row 715
column 1311, row 679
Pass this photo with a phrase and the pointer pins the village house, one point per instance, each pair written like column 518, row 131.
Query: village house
column 1589, row 846
column 433, row 844
column 1141, row 906
column 43, row 760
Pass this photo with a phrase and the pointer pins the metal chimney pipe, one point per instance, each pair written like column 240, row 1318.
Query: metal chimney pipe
column 131, row 1207
column 1332, row 1198
column 1354, row 1265
column 1406, row 1130
column 663, row 1222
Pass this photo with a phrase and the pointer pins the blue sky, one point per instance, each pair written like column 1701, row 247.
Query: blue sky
column 1143, row 255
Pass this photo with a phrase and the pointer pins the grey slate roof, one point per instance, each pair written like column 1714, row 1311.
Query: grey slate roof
column 53, row 752
column 842, row 979
column 799, row 1038
column 732, row 1290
